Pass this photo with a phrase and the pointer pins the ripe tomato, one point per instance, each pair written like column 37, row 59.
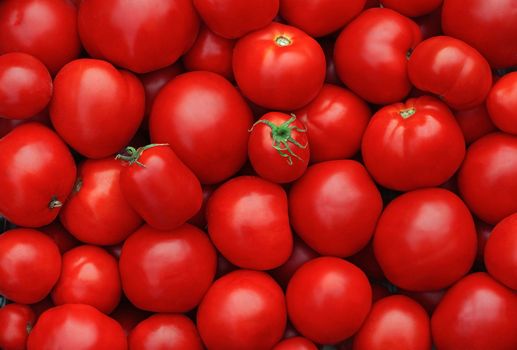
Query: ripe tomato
column 97, row 212
column 16, row 322
column 199, row 219
column 138, row 35
column 412, row 8
column 483, row 231
column 430, row 24
column 30, row 264
column 38, row 173
column 477, row 313
column 279, row 67
column 502, row 103
column 235, row 18
column 413, row 145
column 8, row 125
column 167, row 271
column 242, row 310
column 295, row 343
column 334, row 207
column 165, row 331
column 211, row 142
column 366, row 261
column 335, row 120
column 64, row 240
column 487, row 177
column 328, row 299
column 474, row 123
column 371, row 55
column 300, row 255
column 428, row 300
column 78, row 327
column 128, row 316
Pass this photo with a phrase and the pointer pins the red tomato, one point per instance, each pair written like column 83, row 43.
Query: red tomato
column 328, row 299
column 212, row 141
column 89, row 275
column 413, row 145
column 425, row 240
column 502, row 103
column 248, row 222
column 279, row 67
column 327, row 43
column 428, row 300
column 97, row 212
column 242, row 310
column 46, row 29
column 8, row 125
column 138, row 35
column 489, row 26
column 96, row 108
column 235, row 18
column 430, row 24
column 295, row 343
column 278, row 147
column 483, row 231
column 459, row 74
column 78, row 327
column 412, row 8
column 128, row 316
column 38, row 173
column 159, row 187
column 199, row 220
column 366, row 261
column 167, row 271
column 42, row 306
column 371, row 55
column 64, row 240
column 16, row 322
column 487, row 180
column 474, row 123
column 30, row 264
column 335, row 120
column 165, row 331
column 476, row 314
column 320, row 17
column 334, row 207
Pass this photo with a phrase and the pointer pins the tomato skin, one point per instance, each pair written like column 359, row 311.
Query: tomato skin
column 483, row 231
column 165, row 331
column 377, row 78
column 245, row 306
column 64, row 240
column 334, row 207
column 477, row 313
column 38, row 173
column 279, row 67
column 128, row 316
column 76, row 326
column 336, row 120
column 30, row 264
column 412, row 8
column 15, row 322
column 502, row 103
column 280, row 130
column 428, row 300
column 328, row 299
column 138, row 35
column 413, row 145
column 430, row 24
column 199, row 219
column 174, row 282
column 474, row 123
column 486, row 179
column 395, row 322
column 295, row 343
column 211, row 142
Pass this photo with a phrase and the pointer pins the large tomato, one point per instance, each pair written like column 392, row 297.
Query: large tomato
column 502, row 103
column 295, row 343
column 474, row 123
column 279, row 67
column 212, row 141
column 16, row 321
column 412, row 8
column 334, row 207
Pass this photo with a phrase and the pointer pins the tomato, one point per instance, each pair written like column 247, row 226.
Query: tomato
column 476, row 314
column 300, row 255
column 64, row 240
column 487, row 177
column 167, row 271
column 483, row 231
column 199, row 220
column 295, row 343
column 96, row 108
column 474, row 123
column 413, row 145
column 159, row 187
column 334, row 207
column 428, row 300
column 279, row 67
column 371, row 55
column 502, row 103
column 366, row 261
column 321, row 17
column 138, row 35
column 8, row 125
column 165, row 331
column 38, row 173
column 412, row 8
column 395, row 322
column 78, row 327
column 42, row 306
column 235, row 18
column 212, row 141
column 327, row 43
column 430, row 24
column 328, row 299
column 490, row 27
column 30, row 264
column 242, row 310
column 16, row 321
column 335, row 120
column 128, row 316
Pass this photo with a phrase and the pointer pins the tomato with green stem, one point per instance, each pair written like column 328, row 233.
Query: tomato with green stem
column 16, row 321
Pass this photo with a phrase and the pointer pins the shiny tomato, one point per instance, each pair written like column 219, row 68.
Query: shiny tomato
column 279, row 67
column 64, row 240
column 154, row 81
column 8, row 125
column 334, row 207
column 371, row 55
column 502, row 103
column 38, row 173
column 328, row 299
column 242, row 310
column 431, row 24
column 213, row 141
column 413, row 145
column 16, row 322
column 412, row 8
column 474, row 123
column 295, row 343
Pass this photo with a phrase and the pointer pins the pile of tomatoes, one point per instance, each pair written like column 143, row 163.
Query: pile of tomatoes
column 258, row 174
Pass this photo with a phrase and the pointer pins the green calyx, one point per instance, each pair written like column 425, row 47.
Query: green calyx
column 132, row 154
column 406, row 113
column 54, row 203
